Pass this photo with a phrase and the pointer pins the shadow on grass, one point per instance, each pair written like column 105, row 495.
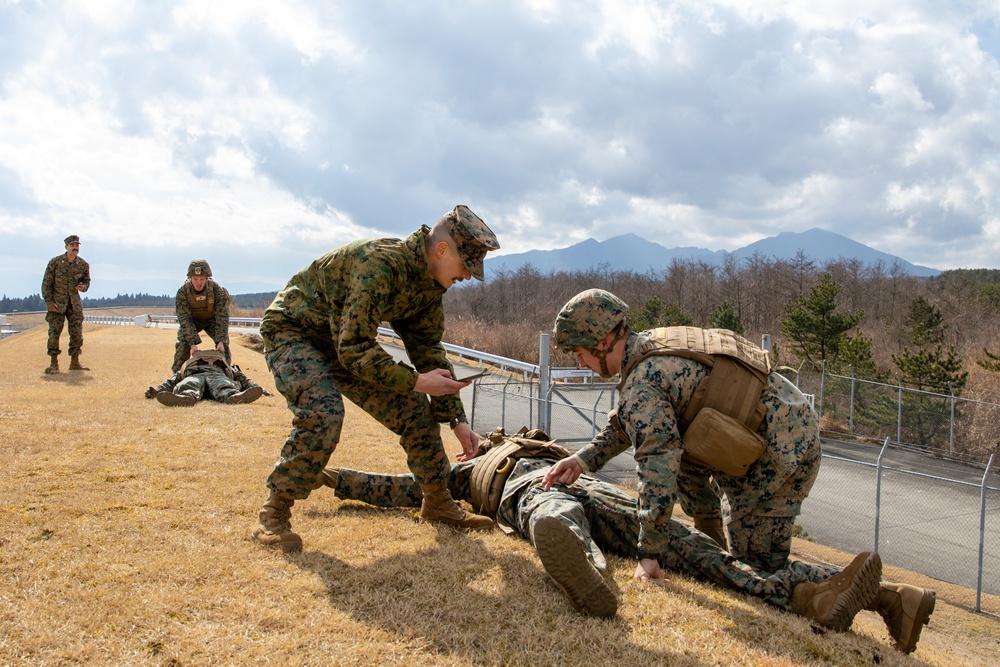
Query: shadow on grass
column 459, row 598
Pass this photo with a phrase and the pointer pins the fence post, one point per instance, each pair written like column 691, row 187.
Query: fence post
column 982, row 534
column 822, row 387
column 951, row 435
column 878, row 490
column 850, row 428
column 544, row 377
column 899, row 410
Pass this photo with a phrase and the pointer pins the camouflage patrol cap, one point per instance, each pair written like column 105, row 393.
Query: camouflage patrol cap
column 199, row 267
column 473, row 239
column 72, row 238
column 587, row 318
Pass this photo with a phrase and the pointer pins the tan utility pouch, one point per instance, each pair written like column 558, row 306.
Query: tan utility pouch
column 722, row 443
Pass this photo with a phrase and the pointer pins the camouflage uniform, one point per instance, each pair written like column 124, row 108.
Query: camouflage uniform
column 601, row 515
column 763, row 503
column 320, row 343
column 200, row 378
column 59, row 288
column 209, row 313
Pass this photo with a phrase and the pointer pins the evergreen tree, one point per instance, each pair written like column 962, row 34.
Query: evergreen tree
column 725, row 317
column 814, row 330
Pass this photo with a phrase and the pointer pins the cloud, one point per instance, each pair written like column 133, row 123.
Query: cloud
column 284, row 129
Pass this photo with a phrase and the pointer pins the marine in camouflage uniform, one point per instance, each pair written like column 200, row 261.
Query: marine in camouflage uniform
column 570, row 526
column 595, row 516
column 206, row 375
column 763, row 503
column 320, row 342
column 65, row 277
column 201, row 309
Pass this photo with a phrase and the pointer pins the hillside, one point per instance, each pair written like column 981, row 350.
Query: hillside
column 124, row 543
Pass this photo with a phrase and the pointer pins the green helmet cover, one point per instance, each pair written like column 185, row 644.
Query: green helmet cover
column 199, row 267
column 587, row 318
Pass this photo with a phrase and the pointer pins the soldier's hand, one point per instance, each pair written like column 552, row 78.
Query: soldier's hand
column 150, row 393
column 469, row 441
column 564, row 472
column 437, row 382
column 648, row 570
column 194, row 349
column 220, row 346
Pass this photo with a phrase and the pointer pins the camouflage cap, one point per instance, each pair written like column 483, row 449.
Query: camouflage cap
column 199, row 267
column 72, row 238
column 587, row 318
column 473, row 239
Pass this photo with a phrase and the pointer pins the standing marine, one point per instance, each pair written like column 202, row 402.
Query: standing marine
column 201, row 305
column 65, row 277
column 320, row 342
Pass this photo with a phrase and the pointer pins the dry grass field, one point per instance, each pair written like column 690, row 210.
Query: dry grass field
column 123, row 541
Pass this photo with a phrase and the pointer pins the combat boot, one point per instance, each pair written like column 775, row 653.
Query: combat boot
column 565, row 560
column 438, row 505
column 175, row 400
column 905, row 610
column 835, row 602
column 53, row 364
column 275, row 529
column 248, row 396
column 75, row 365
column 328, row 477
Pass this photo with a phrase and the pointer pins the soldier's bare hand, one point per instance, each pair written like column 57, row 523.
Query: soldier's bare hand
column 469, row 440
column 648, row 570
column 221, row 347
column 437, row 382
column 564, row 472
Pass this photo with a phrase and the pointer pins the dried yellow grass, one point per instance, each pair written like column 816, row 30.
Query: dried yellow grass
column 123, row 541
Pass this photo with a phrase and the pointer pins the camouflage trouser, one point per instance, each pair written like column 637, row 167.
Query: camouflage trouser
column 313, row 385
column 207, row 385
column 603, row 517
column 182, row 350
column 55, row 320
column 765, row 501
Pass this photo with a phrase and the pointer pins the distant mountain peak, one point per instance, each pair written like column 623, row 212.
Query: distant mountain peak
column 631, row 252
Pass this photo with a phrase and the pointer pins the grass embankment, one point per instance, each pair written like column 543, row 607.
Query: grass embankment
column 123, row 541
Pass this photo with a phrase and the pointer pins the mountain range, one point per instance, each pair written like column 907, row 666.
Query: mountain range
column 630, row 252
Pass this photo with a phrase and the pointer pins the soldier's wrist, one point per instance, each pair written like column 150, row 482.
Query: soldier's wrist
column 455, row 421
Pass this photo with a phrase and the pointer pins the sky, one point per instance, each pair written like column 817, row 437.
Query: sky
column 259, row 134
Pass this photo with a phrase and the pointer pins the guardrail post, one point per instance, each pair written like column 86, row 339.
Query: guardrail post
column 544, row 376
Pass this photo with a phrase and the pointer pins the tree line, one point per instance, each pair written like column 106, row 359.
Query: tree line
column 870, row 320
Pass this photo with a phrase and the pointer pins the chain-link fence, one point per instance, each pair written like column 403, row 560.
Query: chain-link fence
column 895, row 476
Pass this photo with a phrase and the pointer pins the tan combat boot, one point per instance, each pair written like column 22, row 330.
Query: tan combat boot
column 175, row 400
column 835, row 602
column 328, row 477
column 75, row 365
column 53, row 364
column 905, row 609
column 565, row 559
column 438, row 505
column 275, row 529
column 248, row 396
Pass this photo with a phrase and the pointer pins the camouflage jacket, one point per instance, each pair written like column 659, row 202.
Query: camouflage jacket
column 186, row 322
column 338, row 302
column 60, row 281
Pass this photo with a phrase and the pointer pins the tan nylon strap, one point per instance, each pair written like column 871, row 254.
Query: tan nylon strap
column 738, row 377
